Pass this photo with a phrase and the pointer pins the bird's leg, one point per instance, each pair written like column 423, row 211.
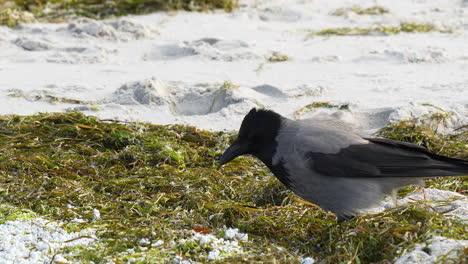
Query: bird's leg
column 393, row 195
column 423, row 191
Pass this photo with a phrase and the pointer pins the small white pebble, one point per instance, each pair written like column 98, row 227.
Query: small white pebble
column 157, row 243
column 144, row 241
column 308, row 260
column 213, row 255
column 132, row 260
column 60, row 259
column 204, row 240
column 96, row 214
column 177, row 260
column 231, row 233
column 42, row 246
column 242, row 237
column 78, row 220
column 33, row 255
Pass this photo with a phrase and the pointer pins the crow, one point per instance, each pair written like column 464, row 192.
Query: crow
column 328, row 163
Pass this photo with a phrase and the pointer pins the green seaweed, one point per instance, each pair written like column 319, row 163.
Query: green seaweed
column 373, row 10
column 159, row 182
column 315, row 105
column 227, row 85
column 379, row 30
column 278, row 57
column 52, row 99
column 9, row 212
column 14, row 12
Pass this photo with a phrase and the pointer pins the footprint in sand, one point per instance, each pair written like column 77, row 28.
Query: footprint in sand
column 280, row 14
column 33, row 44
column 270, row 90
column 82, row 55
column 208, row 48
column 169, row 52
column 211, row 98
column 194, row 99
column 50, row 51
column 120, row 29
column 427, row 55
column 147, row 92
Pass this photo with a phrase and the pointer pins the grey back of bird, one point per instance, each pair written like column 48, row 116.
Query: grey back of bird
column 344, row 196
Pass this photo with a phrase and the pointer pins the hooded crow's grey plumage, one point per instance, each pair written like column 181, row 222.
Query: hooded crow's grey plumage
column 329, row 164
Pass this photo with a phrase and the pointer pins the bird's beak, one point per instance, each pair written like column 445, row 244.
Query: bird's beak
column 236, row 149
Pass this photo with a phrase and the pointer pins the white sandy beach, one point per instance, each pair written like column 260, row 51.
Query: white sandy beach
column 172, row 64
column 169, row 68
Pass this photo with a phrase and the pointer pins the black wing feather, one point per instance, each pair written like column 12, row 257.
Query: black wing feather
column 386, row 158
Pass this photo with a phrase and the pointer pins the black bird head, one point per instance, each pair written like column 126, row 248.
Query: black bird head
column 256, row 136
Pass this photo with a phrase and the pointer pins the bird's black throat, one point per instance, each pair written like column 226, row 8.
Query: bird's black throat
column 266, row 126
column 261, row 128
column 258, row 137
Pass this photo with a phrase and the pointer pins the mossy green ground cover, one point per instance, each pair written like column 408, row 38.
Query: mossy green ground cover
column 13, row 12
column 373, row 10
column 157, row 182
column 379, row 30
column 316, row 105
